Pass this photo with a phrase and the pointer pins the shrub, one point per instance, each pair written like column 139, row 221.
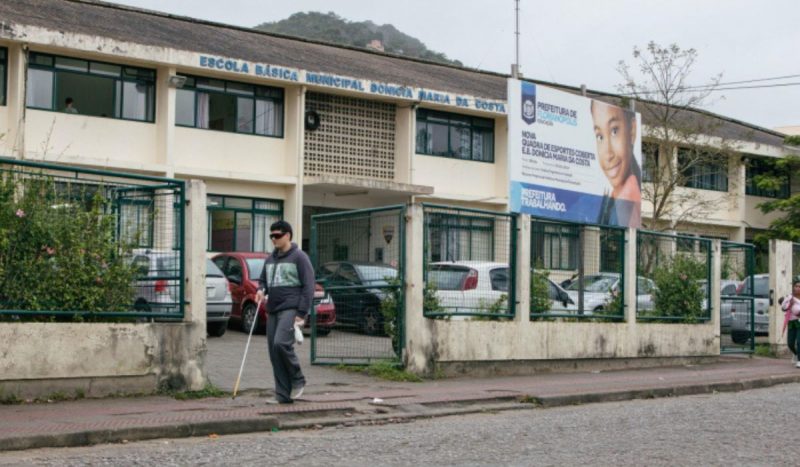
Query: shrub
column 678, row 292
column 59, row 253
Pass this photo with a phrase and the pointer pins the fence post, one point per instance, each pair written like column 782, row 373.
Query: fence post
column 630, row 273
column 780, row 285
column 418, row 336
column 523, row 273
column 714, row 289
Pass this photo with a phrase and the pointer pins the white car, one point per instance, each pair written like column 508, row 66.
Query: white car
column 598, row 290
column 740, row 312
column 480, row 286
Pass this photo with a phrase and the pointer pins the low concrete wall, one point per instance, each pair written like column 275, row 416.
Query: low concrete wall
column 98, row 359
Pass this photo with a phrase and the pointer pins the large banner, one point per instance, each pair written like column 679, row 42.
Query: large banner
column 572, row 158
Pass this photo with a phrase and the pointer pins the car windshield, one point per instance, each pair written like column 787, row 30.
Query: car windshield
column 447, row 277
column 601, row 284
column 376, row 275
column 254, row 267
column 212, row 270
column 167, row 265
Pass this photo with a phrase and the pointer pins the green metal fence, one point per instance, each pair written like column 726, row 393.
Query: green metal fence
column 84, row 244
column 359, row 258
column 673, row 272
column 738, row 319
column 469, row 263
column 577, row 271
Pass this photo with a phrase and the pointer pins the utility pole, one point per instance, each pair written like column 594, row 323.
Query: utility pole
column 515, row 67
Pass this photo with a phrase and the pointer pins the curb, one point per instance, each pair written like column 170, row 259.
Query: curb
column 314, row 420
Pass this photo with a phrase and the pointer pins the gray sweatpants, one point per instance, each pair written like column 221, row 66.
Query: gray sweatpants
column 285, row 364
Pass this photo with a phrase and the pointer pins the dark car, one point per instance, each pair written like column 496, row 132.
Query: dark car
column 356, row 288
column 242, row 271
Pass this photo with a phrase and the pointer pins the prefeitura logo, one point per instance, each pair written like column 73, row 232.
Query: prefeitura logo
column 529, row 103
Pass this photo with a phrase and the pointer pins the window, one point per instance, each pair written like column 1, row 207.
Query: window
column 765, row 166
column 499, row 279
column 86, row 87
column 612, row 246
column 3, row 71
column 554, row 245
column 215, row 104
column 241, row 224
column 703, row 170
column 457, row 136
column 650, row 157
column 456, row 237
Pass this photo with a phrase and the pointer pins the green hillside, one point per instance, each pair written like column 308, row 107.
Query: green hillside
column 335, row 29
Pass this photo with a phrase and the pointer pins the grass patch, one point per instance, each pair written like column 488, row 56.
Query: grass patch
column 388, row 370
column 209, row 391
column 765, row 350
column 10, row 399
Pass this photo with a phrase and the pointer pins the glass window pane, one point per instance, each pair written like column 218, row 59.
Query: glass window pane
column 139, row 73
column 39, row 59
column 244, row 115
column 244, row 231
column 221, row 231
column 211, row 84
column 136, row 100
column 105, row 69
column 239, row 203
column 267, row 205
column 214, row 201
column 424, row 140
column 221, row 112
column 483, row 146
column 2, row 84
column 184, row 107
column 117, row 98
column 91, row 95
column 2, row 53
column 438, row 139
column 40, row 89
column 261, row 240
column 269, row 118
column 72, row 64
column 240, row 88
column 460, row 142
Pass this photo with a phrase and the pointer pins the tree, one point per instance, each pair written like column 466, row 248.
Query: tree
column 786, row 227
column 683, row 146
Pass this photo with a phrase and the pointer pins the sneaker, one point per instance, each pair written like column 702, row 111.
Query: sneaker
column 794, row 358
column 298, row 391
column 797, row 365
column 274, row 401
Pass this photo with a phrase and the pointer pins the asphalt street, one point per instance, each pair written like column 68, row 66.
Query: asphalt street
column 757, row 427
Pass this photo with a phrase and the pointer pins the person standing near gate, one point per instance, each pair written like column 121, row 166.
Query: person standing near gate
column 791, row 309
column 288, row 281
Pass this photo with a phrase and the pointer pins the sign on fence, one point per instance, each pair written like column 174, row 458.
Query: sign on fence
column 573, row 158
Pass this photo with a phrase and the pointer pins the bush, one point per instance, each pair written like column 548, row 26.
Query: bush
column 678, row 292
column 58, row 253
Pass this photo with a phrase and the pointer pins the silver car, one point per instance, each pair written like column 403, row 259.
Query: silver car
column 157, row 288
column 728, row 289
column 598, row 290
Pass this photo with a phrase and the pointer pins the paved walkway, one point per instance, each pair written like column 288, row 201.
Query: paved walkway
column 348, row 399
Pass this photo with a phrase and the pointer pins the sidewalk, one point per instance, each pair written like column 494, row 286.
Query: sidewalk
column 366, row 400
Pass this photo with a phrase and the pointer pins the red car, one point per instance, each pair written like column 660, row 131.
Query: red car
column 242, row 271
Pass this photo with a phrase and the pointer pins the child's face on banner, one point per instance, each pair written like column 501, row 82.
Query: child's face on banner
column 615, row 138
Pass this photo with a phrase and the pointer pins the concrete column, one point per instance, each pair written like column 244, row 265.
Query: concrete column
column 715, row 289
column 165, row 119
column 419, row 348
column 14, row 140
column 780, row 285
column 295, row 131
column 630, row 274
column 404, row 143
column 523, row 277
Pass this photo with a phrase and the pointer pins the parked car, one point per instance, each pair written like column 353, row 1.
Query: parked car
column 728, row 288
column 242, row 271
column 156, row 290
column 352, row 284
column 599, row 290
column 740, row 315
column 468, row 286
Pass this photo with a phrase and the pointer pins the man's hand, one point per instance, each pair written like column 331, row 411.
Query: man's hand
column 259, row 296
column 299, row 321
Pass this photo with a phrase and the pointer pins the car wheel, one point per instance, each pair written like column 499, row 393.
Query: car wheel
column 373, row 321
column 217, row 329
column 141, row 305
column 322, row 332
column 740, row 337
column 249, row 313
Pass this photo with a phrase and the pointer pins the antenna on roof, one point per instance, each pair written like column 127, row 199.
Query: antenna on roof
column 515, row 67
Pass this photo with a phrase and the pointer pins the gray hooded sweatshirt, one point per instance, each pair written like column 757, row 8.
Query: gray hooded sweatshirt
column 288, row 280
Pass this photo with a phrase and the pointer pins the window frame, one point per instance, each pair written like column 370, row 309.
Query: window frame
column 764, row 166
column 445, row 223
column 252, row 211
column 692, row 174
column 649, row 168
column 120, row 78
column 453, row 120
column 4, row 66
column 562, row 237
column 235, row 95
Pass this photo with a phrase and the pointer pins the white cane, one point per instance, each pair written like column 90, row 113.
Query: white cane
column 246, row 348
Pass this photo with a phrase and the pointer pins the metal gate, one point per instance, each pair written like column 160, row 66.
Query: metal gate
column 744, row 304
column 359, row 259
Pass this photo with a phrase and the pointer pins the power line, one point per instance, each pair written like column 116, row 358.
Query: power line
column 723, row 88
column 743, row 82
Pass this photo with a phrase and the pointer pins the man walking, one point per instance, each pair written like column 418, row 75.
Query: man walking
column 288, row 281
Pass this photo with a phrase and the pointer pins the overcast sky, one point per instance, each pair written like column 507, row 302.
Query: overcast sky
column 578, row 41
